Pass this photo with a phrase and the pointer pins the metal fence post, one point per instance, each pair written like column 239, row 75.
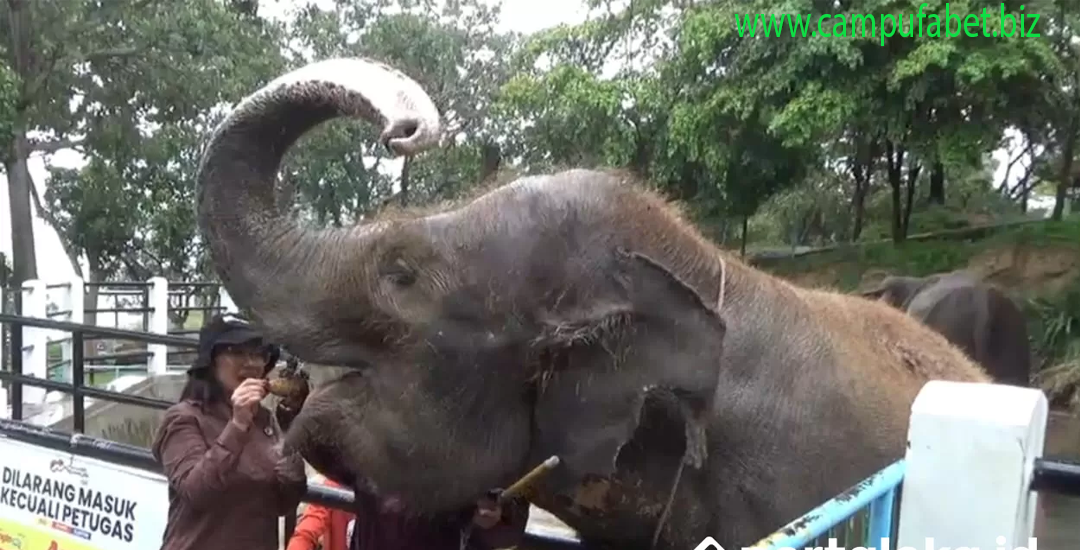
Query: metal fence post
column 35, row 350
column 159, row 323
column 970, row 461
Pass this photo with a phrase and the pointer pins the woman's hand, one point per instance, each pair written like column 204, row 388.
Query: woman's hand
column 488, row 513
column 245, row 401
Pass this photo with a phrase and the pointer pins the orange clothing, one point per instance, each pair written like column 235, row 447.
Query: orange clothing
column 319, row 522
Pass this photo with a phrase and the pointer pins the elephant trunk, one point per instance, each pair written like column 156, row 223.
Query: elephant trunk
column 296, row 281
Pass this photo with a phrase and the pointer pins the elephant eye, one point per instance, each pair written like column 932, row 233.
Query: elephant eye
column 400, row 274
column 403, row 278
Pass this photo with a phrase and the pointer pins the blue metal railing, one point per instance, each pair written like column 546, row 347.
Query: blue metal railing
column 878, row 492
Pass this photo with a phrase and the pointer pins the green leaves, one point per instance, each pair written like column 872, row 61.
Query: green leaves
column 457, row 55
column 572, row 117
column 672, row 90
column 130, row 82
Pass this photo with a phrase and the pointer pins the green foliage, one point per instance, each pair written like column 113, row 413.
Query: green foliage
column 1054, row 323
column 131, row 93
column 572, row 117
column 808, row 214
column 452, row 49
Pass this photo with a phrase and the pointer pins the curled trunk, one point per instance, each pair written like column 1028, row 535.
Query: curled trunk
column 300, row 284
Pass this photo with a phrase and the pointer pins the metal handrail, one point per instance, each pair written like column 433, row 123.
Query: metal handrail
column 877, row 491
column 1056, row 475
column 117, row 333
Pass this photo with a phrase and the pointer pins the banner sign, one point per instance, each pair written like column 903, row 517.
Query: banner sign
column 53, row 500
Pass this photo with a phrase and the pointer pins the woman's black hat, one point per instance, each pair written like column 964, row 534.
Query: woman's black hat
column 230, row 330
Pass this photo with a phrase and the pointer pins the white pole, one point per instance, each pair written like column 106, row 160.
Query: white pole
column 5, row 412
column 970, row 458
column 63, row 302
column 225, row 301
column 77, row 315
column 159, row 324
column 35, row 340
column 74, row 301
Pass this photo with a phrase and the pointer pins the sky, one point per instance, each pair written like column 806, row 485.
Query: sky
column 525, row 16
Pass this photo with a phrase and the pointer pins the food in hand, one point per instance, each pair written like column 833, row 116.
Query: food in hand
column 288, row 387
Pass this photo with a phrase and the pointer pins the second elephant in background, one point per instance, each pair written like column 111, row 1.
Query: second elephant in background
column 976, row 316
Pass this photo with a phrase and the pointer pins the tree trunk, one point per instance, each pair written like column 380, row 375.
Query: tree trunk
column 895, row 159
column 90, row 302
column 863, row 171
column 490, row 162
column 5, row 274
column 1068, row 150
column 722, row 231
column 24, row 258
column 914, row 168
column 937, row 183
column 745, row 231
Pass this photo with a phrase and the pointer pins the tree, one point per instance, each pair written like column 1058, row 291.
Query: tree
column 102, row 78
column 1063, row 97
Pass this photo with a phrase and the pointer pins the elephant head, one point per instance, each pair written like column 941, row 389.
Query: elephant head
column 898, row 291
column 484, row 338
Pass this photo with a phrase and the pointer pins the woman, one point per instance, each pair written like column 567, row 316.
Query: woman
column 227, row 484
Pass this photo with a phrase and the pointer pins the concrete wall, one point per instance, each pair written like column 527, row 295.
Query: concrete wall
column 1063, row 436
column 129, row 424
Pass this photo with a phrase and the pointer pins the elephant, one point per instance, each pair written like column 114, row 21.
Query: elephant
column 577, row 314
column 975, row 316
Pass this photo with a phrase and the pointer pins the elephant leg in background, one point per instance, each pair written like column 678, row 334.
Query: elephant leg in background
column 1007, row 353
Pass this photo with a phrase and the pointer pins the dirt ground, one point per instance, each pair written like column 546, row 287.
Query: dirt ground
column 1016, row 267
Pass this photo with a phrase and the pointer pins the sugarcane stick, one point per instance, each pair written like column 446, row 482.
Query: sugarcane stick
column 525, row 482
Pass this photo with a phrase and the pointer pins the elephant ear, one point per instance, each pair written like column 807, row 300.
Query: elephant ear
column 900, row 291
column 645, row 334
column 894, row 291
column 874, row 293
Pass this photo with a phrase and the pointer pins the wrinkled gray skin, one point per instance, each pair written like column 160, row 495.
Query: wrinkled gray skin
column 978, row 317
column 571, row 314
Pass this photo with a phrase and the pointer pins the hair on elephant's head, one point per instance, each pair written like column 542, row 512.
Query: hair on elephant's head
column 898, row 291
column 484, row 339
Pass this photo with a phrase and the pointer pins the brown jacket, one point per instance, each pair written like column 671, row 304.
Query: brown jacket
column 227, row 487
